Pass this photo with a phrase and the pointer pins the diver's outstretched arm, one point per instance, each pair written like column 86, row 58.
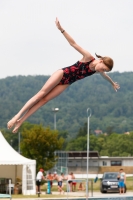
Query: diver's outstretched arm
column 86, row 55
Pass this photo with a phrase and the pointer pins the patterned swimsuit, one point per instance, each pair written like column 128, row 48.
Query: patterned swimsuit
column 76, row 72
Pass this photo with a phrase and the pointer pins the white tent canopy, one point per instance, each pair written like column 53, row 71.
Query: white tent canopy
column 13, row 165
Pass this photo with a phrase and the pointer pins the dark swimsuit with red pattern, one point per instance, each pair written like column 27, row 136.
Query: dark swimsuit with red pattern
column 76, row 72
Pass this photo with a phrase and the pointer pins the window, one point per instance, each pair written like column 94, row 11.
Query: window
column 116, row 163
column 110, row 175
column 104, row 163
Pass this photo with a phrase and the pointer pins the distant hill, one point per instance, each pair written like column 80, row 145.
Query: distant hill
column 110, row 109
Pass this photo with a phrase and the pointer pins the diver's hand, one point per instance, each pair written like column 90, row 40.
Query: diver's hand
column 116, row 86
column 58, row 24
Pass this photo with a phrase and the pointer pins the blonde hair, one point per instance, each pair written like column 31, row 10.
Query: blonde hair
column 107, row 61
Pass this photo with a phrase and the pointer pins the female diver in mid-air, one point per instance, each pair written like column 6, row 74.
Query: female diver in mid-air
column 63, row 78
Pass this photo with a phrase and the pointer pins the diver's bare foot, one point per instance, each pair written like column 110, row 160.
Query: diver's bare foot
column 12, row 122
column 17, row 125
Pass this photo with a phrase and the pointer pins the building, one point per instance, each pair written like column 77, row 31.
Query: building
column 98, row 132
column 76, row 161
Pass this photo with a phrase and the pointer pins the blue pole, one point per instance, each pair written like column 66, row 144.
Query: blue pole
column 48, row 188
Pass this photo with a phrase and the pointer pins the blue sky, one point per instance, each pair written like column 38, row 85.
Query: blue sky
column 30, row 43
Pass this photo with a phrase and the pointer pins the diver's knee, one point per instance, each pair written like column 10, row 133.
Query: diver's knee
column 39, row 95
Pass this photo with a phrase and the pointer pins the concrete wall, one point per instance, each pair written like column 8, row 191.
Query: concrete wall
column 127, row 162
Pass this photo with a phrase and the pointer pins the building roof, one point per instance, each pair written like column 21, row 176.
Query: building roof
column 82, row 153
column 98, row 131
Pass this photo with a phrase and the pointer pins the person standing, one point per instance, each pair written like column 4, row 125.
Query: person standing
column 122, row 181
column 39, row 178
column 73, row 182
column 55, row 175
column 60, row 183
column 50, row 178
column 69, row 179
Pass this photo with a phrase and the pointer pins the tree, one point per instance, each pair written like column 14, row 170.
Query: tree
column 40, row 143
column 65, row 136
column 80, row 144
column 83, row 130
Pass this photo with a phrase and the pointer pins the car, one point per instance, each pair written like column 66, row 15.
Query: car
column 110, row 182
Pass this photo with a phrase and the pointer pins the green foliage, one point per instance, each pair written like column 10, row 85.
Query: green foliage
column 65, row 135
column 40, row 143
column 107, row 145
column 77, row 145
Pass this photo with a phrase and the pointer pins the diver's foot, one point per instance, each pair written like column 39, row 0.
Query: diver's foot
column 17, row 125
column 12, row 122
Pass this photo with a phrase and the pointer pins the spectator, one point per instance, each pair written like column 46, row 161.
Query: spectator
column 55, row 176
column 81, row 187
column 60, row 182
column 50, row 178
column 73, row 182
column 69, row 179
column 39, row 178
column 122, row 181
